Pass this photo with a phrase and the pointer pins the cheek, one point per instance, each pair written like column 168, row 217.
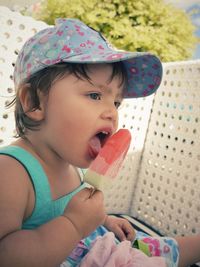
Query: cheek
column 116, row 123
column 65, row 122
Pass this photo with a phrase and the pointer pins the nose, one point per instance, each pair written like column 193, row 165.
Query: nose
column 110, row 113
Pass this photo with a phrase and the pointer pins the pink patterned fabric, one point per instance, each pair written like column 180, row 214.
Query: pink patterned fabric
column 106, row 253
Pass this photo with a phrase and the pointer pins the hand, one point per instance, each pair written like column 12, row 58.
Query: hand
column 120, row 227
column 86, row 211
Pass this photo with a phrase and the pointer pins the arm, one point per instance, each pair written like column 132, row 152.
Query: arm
column 189, row 247
column 120, row 227
column 51, row 243
column 45, row 246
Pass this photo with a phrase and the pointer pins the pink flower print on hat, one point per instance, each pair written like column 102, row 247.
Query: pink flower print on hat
column 133, row 70
column 114, row 56
column 59, row 33
column 44, row 39
column 101, row 47
column 66, row 49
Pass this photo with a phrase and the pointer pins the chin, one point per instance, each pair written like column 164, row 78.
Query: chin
column 83, row 161
column 84, row 164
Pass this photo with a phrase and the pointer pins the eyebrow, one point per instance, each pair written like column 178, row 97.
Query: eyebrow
column 107, row 88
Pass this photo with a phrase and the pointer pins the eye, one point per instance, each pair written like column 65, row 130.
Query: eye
column 95, row 96
column 117, row 104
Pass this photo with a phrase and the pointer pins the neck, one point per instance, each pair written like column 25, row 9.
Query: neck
column 49, row 159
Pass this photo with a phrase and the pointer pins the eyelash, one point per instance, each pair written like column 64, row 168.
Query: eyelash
column 117, row 104
column 97, row 96
column 91, row 95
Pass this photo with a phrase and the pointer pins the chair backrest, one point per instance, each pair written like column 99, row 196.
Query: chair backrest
column 160, row 179
column 14, row 31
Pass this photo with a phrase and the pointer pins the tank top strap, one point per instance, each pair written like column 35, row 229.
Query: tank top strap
column 35, row 171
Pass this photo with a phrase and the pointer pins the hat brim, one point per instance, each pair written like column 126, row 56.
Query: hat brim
column 144, row 70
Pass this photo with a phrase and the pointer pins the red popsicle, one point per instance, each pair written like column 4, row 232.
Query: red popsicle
column 106, row 165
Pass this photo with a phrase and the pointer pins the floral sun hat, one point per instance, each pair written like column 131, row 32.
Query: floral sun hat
column 70, row 40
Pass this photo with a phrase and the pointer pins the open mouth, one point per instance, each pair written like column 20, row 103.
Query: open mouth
column 103, row 137
column 98, row 141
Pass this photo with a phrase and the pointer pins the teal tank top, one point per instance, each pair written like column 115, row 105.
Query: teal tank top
column 45, row 207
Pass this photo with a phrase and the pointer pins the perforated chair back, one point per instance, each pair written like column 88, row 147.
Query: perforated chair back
column 160, row 181
column 14, row 31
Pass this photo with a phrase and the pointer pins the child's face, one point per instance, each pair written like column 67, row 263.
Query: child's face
column 77, row 110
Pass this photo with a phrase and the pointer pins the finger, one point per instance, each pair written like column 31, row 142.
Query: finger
column 92, row 190
column 128, row 231
column 120, row 234
column 96, row 194
column 131, row 236
column 84, row 194
column 90, row 193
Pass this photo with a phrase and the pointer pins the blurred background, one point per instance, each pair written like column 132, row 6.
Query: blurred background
column 190, row 7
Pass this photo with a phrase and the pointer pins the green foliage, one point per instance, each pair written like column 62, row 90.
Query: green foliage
column 133, row 25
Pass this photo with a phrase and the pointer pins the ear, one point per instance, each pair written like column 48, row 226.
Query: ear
column 26, row 103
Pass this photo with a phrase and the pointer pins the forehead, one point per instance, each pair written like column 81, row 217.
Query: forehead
column 99, row 71
column 107, row 76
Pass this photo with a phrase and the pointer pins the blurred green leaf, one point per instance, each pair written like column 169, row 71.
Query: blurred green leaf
column 134, row 25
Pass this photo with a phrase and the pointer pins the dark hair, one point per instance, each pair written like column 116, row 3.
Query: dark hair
column 42, row 81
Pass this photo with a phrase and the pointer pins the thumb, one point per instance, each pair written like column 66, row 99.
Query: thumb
column 84, row 194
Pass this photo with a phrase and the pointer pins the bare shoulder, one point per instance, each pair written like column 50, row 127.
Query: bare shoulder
column 14, row 191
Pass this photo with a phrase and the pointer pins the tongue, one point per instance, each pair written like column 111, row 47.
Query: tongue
column 95, row 146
